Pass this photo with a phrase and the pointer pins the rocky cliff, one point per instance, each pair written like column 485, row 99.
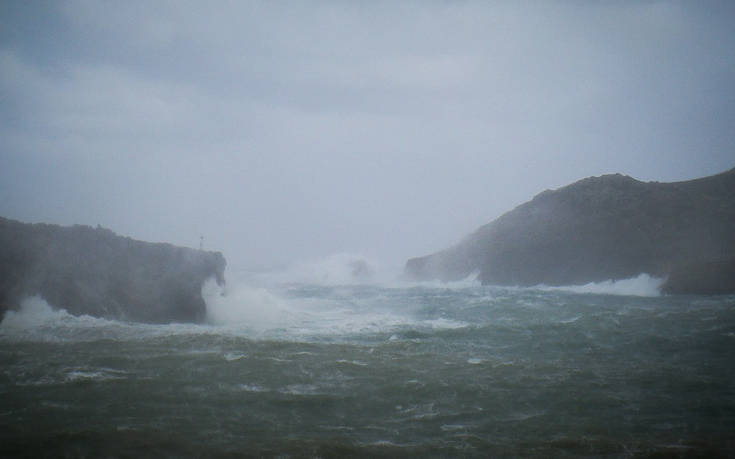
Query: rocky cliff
column 599, row 228
column 96, row 272
column 704, row 278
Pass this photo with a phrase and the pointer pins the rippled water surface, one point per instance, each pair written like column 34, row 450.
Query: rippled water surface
column 408, row 371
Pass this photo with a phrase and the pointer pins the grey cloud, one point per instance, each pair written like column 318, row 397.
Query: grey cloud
column 292, row 130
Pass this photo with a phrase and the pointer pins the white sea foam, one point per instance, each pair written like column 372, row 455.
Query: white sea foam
column 642, row 285
column 99, row 374
column 444, row 324
column 300, row 389
column 36, row 320
column 353, row 362
column 290, row 312
column 270, row 313
column 241, row 304
column 34, row 311
column 252, row 388
column 570, row 320
column 239, row 310
column 234, row 356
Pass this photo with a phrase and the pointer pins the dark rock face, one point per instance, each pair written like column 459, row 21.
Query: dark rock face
column 704, row 278
column 599, row 228
column 96, row 272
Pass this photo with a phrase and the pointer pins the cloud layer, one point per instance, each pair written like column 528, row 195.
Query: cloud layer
column 284, row 131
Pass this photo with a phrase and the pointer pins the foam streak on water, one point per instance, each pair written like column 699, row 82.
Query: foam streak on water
column 641, row 285
column 409, row 370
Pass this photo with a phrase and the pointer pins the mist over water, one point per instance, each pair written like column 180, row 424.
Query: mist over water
column 372, row 368
column 642, row 285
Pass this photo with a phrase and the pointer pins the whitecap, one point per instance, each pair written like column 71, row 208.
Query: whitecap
column 353, row 362
column 641, row 285
column 233, row 356
column 36, row 320
column 571, row 320
column 452, row 427
column 299, row 389
column 251, row 388
column 448, row 324
column 98, row 375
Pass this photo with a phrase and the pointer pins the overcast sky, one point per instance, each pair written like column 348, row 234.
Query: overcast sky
column 284, row 131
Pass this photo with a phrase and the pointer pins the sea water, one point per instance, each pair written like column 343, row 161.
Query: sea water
column 333, row 369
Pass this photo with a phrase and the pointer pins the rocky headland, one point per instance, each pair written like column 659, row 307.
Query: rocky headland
column 600, row 228
column 93, row 271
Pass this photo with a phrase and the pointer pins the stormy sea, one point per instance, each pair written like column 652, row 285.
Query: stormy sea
column 326, row 367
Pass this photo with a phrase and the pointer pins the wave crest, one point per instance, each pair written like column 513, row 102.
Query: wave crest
column 641, row 285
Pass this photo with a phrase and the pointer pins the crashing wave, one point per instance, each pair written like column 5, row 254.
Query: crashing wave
column 642, row 285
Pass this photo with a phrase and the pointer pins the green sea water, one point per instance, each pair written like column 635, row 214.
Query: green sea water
column 305, row 370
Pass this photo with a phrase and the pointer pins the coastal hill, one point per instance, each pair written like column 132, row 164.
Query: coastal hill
column 600, row 228
column 93, row 271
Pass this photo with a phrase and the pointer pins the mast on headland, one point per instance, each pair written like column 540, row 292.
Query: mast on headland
column 201, row 242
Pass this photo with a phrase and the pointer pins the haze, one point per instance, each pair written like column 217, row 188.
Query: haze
column 285, row 131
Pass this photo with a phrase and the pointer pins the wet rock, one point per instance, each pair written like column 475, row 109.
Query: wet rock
column 93, row 271
column 599, row 228
column 703, row 278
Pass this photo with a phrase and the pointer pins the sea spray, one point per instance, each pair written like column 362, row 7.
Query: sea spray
column 308, row 312
column 238, row 304
column 34, row 311
column 336, row 269
column 641, row 285
column 38, row 321
column 367, row 370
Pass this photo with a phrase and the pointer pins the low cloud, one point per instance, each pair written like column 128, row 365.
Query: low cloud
column 290, row 131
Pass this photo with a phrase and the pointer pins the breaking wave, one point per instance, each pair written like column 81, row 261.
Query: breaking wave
column 642, row 285
column 34, row 311
column 240, row 304
column 289, row 313
column 306, row 311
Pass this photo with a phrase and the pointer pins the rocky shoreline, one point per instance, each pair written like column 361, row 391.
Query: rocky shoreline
column 601, row 228
column 93, row 271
